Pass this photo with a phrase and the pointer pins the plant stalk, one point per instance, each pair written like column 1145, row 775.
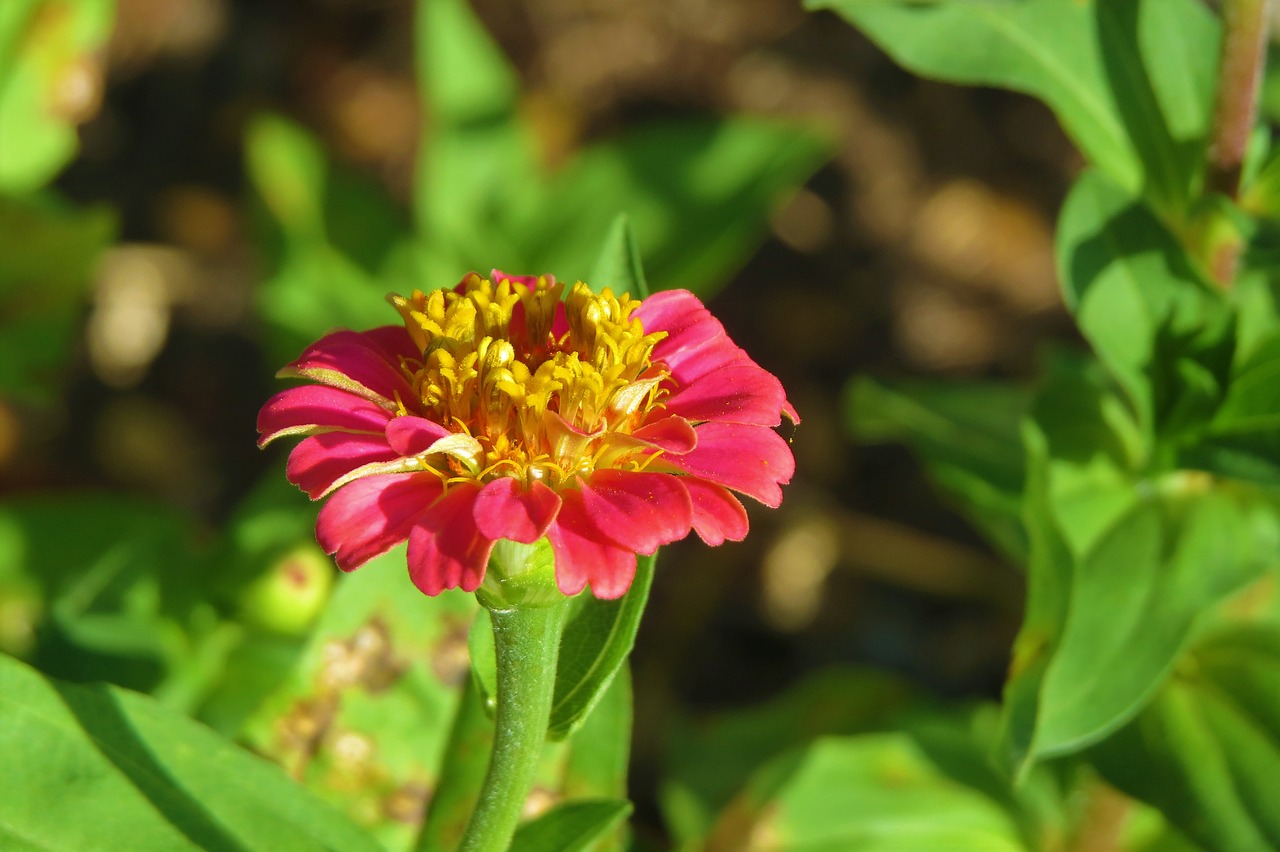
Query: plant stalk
column 1244, row 40
column 527, row 644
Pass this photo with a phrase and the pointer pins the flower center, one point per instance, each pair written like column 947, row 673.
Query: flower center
column 537, row 388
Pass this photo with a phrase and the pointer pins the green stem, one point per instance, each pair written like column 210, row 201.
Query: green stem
column 527, row 643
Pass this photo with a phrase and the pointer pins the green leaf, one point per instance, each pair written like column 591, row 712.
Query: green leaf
column 600, row 750
column 288, row 166
column 1130, row 81
column 462, row 770
column 364, row 718
column 697, row 193
column 1162, row 332
column 1243, row 440
column 141, row 777
column 599, row 753
column 50, row 73
column 463, row 76
column 618, row 265
column 1206, row 751
column 117, row 597
column 870, row 792
column 708, row 759
column 597, row 640
column 571, row 826
column 966, row 435
column 1104, row 631
column 47, row 259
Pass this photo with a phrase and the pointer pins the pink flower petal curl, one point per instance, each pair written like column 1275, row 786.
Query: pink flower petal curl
column 504, row 508
column 585, row 555
column 319, row 461
column 751, row 460
column 369, row 516
column 639, row 511
column 317, row 408
column 446, row 548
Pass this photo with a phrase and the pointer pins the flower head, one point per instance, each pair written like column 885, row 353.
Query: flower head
column 499, row 410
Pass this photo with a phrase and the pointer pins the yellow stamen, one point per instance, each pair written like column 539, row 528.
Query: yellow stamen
column 522, row 399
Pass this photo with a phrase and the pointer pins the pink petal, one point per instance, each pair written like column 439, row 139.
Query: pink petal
column 359, row 362
column 393, row 342
column 446, row 549
column 368, row 517
column 316, row 408
column 584, row 555
column 742, row 394
column 717, row 514
column 639, row 511
column 750, row 459
column 409, row 435
column 710, row 356
column 505, row 509
column 682, row 316
column 673, row 434
column 317, row 462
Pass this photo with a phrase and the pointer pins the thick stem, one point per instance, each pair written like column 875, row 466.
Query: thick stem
column 1244, row 34
column 527, row 643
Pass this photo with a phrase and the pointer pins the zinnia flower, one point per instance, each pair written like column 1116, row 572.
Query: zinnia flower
column 609, row 425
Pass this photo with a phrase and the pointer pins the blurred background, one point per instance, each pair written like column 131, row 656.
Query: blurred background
column 909, row 236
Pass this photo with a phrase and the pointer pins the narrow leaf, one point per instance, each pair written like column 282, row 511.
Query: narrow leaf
column 597, row 641
column 618, row 266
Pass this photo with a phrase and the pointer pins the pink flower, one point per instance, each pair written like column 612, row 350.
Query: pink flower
column 608, row 425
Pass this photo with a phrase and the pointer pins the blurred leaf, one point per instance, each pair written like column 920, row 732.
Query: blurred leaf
column 1206, row 751
column 1131, row 81
column 598, row 637
column 463, row 76
column 618, row 264
column 697, row 194
column 364, row 719
column 51, row 74
column 141, row 777
column 47, row 259
column 599, row 754
column 707, row 760
column 288, row 168
column 870, row 792
column 462, row 771
column 600, row 750
column 1243, row 440
column 339, row 239
column 1162, row 332
column 121, row 597
column 571, row 826
column 966, row 435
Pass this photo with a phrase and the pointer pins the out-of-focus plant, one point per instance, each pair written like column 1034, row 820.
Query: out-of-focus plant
column 1145, row 503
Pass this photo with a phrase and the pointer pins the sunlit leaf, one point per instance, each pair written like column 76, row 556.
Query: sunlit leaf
column 1163, row 333
column 141, row 777
column 51, row 79
column 1131, row 81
